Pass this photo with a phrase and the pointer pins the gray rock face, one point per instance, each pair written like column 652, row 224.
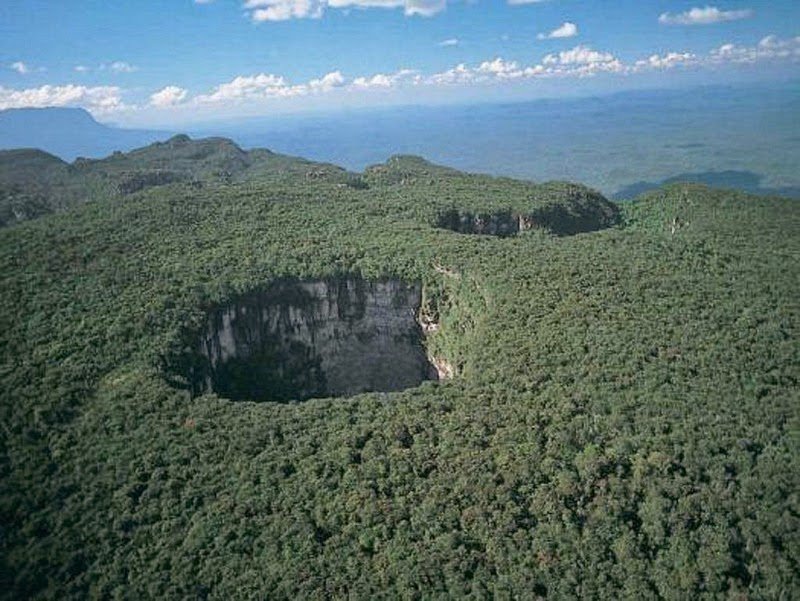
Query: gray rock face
column 501, row 224
column 304, row 339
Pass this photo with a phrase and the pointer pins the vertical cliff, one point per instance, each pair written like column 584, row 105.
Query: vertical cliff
column 304, row 339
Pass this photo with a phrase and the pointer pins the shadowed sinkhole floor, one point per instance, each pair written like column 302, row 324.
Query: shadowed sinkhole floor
column 583, row 215
column 500, row 223
column 302, row 339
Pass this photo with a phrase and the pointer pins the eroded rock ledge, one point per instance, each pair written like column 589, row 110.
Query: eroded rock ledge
column 301, row 339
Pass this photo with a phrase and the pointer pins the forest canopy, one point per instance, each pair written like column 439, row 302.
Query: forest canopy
column 621, row 422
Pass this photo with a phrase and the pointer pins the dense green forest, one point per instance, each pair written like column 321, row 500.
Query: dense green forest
column 622, row 420
column 35, row 183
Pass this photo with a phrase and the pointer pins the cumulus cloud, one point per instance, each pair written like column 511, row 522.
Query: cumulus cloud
column 99, row 99
column 500, row 69
column 580, row 55
column 327, row 82
column 269, row 86
column 704, row 16
column 263, row 85
column 565, row 30
column 670, row 60
column 387, row 80
column 769, row 48
column 168, row 96
column 81, row 68
column 458, row 74
column 581, row 61
column 449, row 42
column 283, row 10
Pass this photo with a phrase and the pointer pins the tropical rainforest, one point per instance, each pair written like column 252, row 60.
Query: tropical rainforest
column 615, row 410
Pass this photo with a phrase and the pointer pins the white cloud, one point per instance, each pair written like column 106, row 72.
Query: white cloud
column 581, row 61
column 424, row 8
column 168, row 96
column 580, row 55
column 704, row 16
column 566, row 30
column 500, row 69
column 458, row 74
column 578, row 62
column 81, row 68
column 268, row 86
column 449, row 42
column 263, row 85
column 283, row 10
column 254, row 91
column 387, row 80
column 99, row 99
column 20, row 67
column 120, row 67
column 669, row 60
column 328, row 82
column 517, row 2
column 770, row 48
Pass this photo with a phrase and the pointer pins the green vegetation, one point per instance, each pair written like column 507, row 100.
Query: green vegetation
column 34, row 183
column 623, row 423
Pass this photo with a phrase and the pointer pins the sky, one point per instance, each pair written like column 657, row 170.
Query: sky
column 142, row 62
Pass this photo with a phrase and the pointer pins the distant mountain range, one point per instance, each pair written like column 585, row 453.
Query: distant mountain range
column 68, row 133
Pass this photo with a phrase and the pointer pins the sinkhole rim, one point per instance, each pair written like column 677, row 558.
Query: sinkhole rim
column 297, row 339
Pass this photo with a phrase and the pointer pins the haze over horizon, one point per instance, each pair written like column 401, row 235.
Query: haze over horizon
column 218, row 59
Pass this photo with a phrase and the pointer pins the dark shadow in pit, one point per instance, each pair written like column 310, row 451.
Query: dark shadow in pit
column 559, row 219
column 302, row 339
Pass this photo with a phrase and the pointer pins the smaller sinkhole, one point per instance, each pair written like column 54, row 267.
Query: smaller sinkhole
column 586, row 212
column 501, row 223
column 302, row 339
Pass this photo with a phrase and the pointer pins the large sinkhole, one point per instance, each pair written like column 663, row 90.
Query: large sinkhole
column 302, row 339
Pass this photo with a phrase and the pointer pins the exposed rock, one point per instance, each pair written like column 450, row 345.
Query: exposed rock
column 305, row 339
column 444, row 369
column 581, row 212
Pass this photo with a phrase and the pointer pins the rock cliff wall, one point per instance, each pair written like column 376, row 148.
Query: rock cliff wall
column 303, row 339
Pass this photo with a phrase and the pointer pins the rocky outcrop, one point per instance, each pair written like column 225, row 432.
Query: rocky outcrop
column 300, row 339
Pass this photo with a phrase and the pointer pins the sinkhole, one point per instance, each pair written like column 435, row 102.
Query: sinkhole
column 500, row 223
column 581, row 214
column 302, row 339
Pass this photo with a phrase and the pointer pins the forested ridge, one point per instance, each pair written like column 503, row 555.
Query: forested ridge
column 622, row 423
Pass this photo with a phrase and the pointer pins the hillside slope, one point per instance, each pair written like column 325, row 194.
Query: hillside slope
column 33, row 183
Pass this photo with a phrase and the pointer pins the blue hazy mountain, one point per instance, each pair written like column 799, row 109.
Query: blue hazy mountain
column 746, row 138
column 68, row 133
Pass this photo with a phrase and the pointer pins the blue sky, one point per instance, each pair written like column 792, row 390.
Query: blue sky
column 178, row 61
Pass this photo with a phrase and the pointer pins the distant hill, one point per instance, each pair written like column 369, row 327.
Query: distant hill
column 34, row 183
column 68, row 133
column 747, row 181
